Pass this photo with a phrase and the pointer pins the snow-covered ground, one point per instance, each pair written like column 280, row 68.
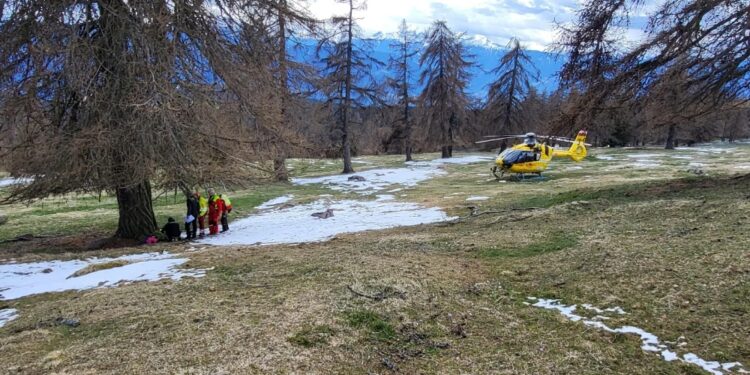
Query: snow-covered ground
column 276, row 202
column 23, row 279
column 276, row 224
column 6, row 315
column 376, row 180
column 296, row 224
column 8, row 181
column 476, row 198
column 649, row 341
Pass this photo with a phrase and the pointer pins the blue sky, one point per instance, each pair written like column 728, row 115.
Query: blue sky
column 531, row 21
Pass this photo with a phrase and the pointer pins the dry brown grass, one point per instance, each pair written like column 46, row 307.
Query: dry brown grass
column 673, row 254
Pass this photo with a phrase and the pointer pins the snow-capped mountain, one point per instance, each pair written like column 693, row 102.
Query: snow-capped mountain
column 485, row 53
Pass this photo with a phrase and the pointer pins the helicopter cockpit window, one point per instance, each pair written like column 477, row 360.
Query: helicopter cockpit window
column 518, row 156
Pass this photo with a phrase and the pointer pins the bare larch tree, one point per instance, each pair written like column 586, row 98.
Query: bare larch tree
column 443, row 101
column 509, row 91
column 401, row 82
column 123, row 96
column 289, row 19
column 347, row 79
column 708, row 41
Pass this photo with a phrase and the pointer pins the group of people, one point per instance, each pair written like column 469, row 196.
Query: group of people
column 215, row 209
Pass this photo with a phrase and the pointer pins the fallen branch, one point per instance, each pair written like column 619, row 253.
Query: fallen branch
column 511, row 219
column 24, row 238
column 377, row 297
column 475, row 213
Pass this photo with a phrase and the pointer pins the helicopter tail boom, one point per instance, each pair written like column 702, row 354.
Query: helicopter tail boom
column 577, row 150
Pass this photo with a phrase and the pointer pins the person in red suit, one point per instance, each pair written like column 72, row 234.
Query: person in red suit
column 215, row 209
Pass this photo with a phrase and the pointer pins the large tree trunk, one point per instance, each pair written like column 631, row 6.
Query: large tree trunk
column 136, row 212
column 347, row 154
column 345, row 141
column 445, row 152
column 279, row 170
column 279, row 164
column 670, row 137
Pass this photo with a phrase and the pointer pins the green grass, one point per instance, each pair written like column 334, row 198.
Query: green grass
column 375, row 324
column 85, row 214
column 311, row 336
column 555, row 241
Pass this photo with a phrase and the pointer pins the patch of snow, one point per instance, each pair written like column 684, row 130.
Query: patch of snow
column 380, row 179
column 275, row 202
column 395, row 190
column 616, row 309
column 10, row 181
column 709, row 149
column 361, row 162
column 605, row 157
column 296, row 225
column 476, row 198
column 6, row 315
column 693, row 164
column 649, row 341
column 643, row 156
column 682, row 157
column 375, row 179
column 23, row 279
column 645, row 164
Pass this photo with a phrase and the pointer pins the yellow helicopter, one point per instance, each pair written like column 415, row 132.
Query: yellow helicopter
column 532, row 157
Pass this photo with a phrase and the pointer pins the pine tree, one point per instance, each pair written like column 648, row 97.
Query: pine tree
column 445, row 75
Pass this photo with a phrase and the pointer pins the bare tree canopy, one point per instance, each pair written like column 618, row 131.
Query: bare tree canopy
column 401, row 83
column 347, row 80
column 285, row 22
column 509, row 91
column 114, row 95
column 445, row 76
column 708, row 41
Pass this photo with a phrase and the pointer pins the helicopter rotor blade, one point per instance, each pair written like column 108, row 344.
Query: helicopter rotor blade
column 561, row 139
column 494, row 140
column 504, row 136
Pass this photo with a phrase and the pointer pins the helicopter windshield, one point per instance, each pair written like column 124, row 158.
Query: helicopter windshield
column 511, row 156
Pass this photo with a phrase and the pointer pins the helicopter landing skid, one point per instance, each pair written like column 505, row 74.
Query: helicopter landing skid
column 523, row 177
column 494, row 172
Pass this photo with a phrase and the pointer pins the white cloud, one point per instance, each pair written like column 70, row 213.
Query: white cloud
column 532, row 21
column 499, row 20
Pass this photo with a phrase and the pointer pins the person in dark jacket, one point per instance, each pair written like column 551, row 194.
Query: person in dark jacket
column 225, row 213
column 191, row 218
column 172, row 230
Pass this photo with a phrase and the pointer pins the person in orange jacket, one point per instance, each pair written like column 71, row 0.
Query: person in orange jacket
column 215, row 209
